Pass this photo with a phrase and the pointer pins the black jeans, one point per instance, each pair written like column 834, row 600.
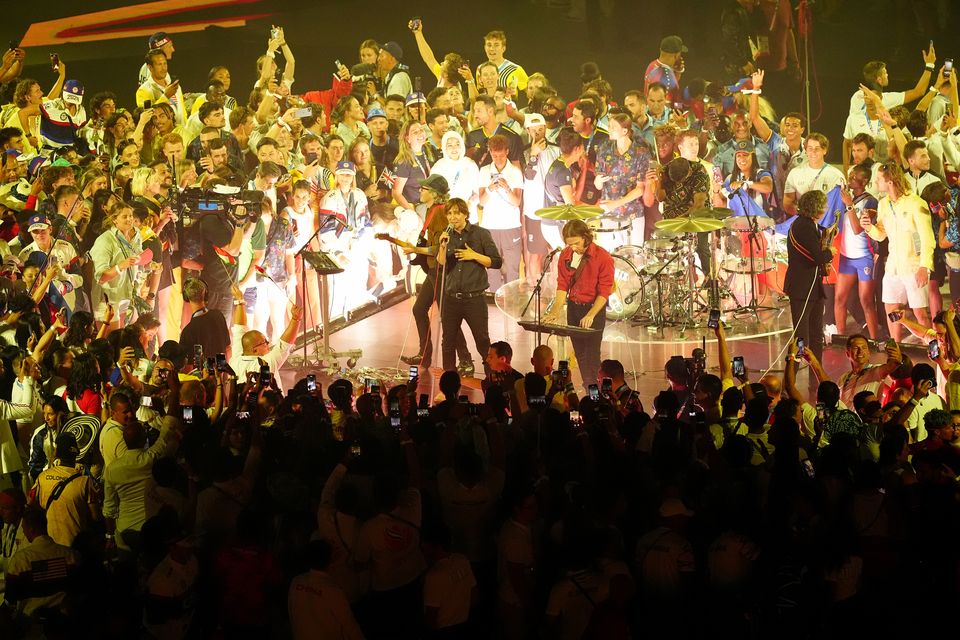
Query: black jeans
column 809, row 324
column 587, row 348
column 421, row 314
column 474, row 311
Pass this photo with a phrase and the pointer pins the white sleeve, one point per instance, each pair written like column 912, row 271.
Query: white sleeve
column 848, row 132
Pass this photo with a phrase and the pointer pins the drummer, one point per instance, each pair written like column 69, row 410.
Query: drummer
column 685, row 186
column 621, row 169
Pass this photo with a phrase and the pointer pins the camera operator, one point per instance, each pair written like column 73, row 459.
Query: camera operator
column 210, row 255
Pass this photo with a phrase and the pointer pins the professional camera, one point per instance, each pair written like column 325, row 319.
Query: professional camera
column 224, row 200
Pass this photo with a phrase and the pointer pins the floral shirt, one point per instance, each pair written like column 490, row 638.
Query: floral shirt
column 281, row 239
column 624, row 170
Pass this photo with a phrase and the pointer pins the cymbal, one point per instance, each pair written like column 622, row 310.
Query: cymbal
column 570, row 212
column 718, row 213
column 742, row 223
column 690, row 225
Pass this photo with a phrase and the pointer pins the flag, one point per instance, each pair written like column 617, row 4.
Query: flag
column 835, row 208
column 225, row 256
column 742, row 204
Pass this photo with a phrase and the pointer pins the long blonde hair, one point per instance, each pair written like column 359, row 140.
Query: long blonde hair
column 406, row 154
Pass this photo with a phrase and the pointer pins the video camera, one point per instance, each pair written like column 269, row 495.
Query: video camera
column 224, row 200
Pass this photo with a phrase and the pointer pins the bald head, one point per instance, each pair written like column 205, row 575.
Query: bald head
column 542, row 360
column 251, row 342
column 773, row 385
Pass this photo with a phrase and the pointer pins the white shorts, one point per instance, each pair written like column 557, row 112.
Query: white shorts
column 904, row 290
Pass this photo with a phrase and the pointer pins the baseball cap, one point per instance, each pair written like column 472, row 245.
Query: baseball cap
column 158, row 39
column 73, row 91
column 345, row 166
column 37, row 222
column 376, row 112
column 533, row 120
column 744, row 146
column 415, row 98
column 393, row 49
column 67, row 444
column 672, row 44
column 34, row 167
column 435, row 182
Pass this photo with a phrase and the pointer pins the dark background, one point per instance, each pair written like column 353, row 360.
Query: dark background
column 846, row 34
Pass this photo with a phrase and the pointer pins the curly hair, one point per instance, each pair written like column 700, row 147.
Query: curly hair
column 79, row 330
column 85, row 375
column 24, row 87
column 812, row 204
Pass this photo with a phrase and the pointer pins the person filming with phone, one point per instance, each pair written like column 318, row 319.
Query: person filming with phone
column 584, row 282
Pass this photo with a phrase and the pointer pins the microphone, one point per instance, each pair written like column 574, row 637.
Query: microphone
column 336, row 218
column 554, row 252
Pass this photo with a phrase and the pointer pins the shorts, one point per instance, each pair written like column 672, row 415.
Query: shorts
column 862, row 267
column 535, row 242
column 903, row 290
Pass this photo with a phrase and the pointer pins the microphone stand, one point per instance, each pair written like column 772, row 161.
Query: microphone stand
column 535, row 294
column 753, row 233
column 303, row 287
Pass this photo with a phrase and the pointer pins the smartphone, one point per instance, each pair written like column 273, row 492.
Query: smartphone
column 394, row 407
column 305, row 112
column 147, row 104
column 564, row 365
column 606, row 385
column 13, row 45
column 808, row 468
column 714, row 321
column 424, row 402
column 55, row 61
column 739, row 370
column 188, row 415
column 146, row 401
column 821, row 411
column 252, row 399
column 198, row 356
column 423, row 413
column 538, row 401
column 375, row 389
column 594, row 391
column 417, row 85
column 311, row 382
column 933, row 350
column 211, row 364
column 415, row 24
column 463, row 399
column 310, row 158
column 221, row 362
column 355, row 449
column 395, row 423
column 414, row 372
column 801, row 347
column 947, row 67
column 243, row 415
column 265, row 375
column 575, row 420
column 494, row 177
column 895, row 316
column 274, row 33
column 337, row 64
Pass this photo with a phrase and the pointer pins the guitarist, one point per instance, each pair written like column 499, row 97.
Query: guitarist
column 434, row 192
column 807, row 258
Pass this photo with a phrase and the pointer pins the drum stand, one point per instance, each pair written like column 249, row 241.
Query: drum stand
column 658, row 316
column 754, row 307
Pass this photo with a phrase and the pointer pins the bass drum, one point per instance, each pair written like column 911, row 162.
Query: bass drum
column 627, row 296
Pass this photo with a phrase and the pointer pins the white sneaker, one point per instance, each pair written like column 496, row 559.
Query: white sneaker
column 829, row 330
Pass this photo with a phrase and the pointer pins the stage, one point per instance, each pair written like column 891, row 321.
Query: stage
column 387, row 334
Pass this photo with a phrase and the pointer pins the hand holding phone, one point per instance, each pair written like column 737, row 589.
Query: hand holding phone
column 801, row 347
column 739, row 368
column 714, row 321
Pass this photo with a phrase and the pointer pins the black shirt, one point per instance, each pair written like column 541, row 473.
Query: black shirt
column 208, row 329
column 593, row 142
column 476, row 145
column 558, row 175
column 470, row 276
column 384, row 156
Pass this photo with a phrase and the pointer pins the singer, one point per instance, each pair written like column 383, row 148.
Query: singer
column 584, row 282
column 466, row 252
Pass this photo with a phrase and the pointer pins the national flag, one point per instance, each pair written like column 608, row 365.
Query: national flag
column 742, row 204
column 225, row 256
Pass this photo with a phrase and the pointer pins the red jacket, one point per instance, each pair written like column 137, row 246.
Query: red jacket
column 329, row 97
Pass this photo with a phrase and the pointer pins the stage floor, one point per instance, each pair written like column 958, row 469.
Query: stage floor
column 386, row 335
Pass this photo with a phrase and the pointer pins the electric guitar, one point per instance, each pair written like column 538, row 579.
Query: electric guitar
column 420, row 250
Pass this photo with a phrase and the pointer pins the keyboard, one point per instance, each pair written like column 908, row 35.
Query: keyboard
column 320, row 262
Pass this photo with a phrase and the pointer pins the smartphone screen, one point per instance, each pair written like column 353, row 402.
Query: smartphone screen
column 738, row 367
column 564, row 365
column 594, row 392
column 146, row 401
column 801, row 347
column 463, row 399
column 188, row 415
column 414, row 372
column 821, row 411
column 375, row 389
column 933, row 350
column 714, row 320
column 894, row 316
column 606, row 385
column 311, row 382
column 221, row 362
column 264, row 375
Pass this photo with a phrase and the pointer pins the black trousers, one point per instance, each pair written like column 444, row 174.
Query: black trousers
column 421, row 314
column 808, row 321
column 454, row 312
column 587, row 347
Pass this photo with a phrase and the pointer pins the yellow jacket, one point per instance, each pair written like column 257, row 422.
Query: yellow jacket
column 906, row 223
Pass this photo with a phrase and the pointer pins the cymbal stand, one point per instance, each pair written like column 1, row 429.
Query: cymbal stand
column 657, row 311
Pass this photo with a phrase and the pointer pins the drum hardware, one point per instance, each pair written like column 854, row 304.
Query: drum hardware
column 753, row 230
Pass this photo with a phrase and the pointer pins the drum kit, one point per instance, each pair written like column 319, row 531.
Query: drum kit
column 661, row 283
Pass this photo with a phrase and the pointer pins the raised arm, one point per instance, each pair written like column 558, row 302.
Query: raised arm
column 759, row 124
column 790, row 374
column 426, row 53
column 57, row 87
column 929, row 59
column 290, row 64
column 723, row 353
